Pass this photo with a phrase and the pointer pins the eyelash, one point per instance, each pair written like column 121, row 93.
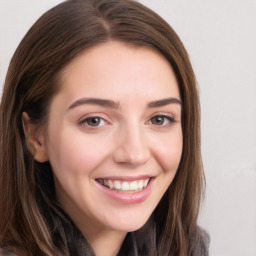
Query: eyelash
column 90, row 118
column 165, row 117
column 102, row 121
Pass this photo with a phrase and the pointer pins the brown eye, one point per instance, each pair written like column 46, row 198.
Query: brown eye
column 158, row 120
column 162, row 120
column 94, row 121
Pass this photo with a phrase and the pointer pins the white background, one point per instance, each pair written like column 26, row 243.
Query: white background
column 220, row 36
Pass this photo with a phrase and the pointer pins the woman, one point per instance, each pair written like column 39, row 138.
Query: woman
column 100, row 139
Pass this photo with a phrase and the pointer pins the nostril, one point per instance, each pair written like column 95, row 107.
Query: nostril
column 131, row 147
column 131, row 158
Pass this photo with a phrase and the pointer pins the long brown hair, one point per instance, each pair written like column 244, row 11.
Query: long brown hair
column 31, row 222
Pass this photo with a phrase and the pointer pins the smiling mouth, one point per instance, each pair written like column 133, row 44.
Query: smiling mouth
column 125, row 186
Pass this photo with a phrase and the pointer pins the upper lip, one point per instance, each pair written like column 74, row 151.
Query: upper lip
column 126, row 178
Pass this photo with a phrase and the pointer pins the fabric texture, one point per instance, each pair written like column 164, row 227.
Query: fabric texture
column 6, row 253
column 200, row 242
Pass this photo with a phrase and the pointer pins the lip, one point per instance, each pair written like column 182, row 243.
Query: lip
column 126, row 178
column 128, row 198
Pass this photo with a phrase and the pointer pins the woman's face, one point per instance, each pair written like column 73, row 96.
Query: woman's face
column 114, row 137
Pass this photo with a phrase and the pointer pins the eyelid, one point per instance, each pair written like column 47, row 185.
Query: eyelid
column 168, row 121
column 83, row 120
column 93, row 114
column 164, row 114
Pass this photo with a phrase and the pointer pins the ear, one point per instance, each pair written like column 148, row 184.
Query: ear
column 35, row 138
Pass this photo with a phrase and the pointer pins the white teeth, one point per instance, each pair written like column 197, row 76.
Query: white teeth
column 127, row 186
column 134, row 185
column 140, row 185
column 110, row 184
column 117, row 184
column 145, row 182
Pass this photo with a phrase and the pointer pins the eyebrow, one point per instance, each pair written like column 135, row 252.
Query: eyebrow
column 164, row 102
column 94, row 101
column 116, row 105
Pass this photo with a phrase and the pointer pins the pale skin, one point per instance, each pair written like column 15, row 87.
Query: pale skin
column 117, row 116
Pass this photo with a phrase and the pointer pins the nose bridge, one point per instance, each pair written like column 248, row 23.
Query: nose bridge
column 132, row 147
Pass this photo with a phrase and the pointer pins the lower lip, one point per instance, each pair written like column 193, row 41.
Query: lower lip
column 128, row 198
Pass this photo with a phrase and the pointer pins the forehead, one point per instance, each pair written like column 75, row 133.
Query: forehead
column 119, row 69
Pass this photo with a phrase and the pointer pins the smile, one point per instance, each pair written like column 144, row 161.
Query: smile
column 125, row 186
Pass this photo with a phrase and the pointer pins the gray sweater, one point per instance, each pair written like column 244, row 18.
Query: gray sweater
column 200, row 242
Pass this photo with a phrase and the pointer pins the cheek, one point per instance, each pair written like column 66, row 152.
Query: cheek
column 74, row 152
column 168, row 151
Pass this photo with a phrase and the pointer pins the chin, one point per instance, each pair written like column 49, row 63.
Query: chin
column 130, row 225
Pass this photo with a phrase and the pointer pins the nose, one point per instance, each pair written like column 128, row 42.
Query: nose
column 132, row 148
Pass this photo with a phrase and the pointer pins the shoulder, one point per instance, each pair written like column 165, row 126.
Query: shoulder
column 6, row 253
column 199, row 243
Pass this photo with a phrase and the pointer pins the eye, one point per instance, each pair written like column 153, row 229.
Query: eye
column 162, row 120
column 93, row 121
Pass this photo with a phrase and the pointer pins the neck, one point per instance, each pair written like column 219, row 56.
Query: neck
column 106, row 243
column 103, row 240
